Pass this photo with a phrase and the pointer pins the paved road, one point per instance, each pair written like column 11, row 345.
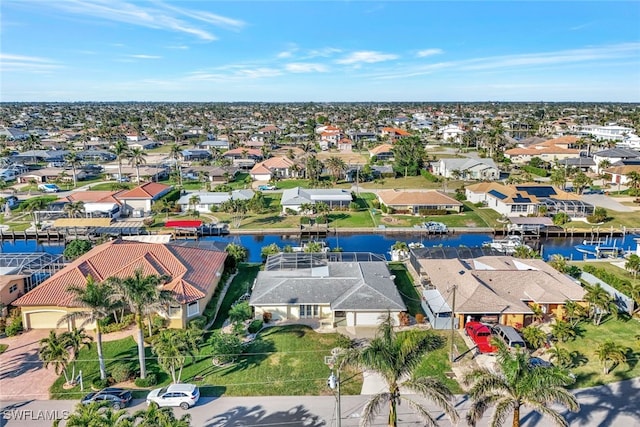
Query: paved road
column 612, row 405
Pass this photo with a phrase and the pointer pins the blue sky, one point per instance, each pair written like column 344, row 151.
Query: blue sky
column 221, row 51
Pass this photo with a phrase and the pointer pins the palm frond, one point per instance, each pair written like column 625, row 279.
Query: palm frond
column 373, row 407
column 436, row 391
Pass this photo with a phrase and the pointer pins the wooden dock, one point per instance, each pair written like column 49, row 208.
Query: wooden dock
column 39, row 235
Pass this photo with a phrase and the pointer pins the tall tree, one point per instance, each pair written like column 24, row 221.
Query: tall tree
column 142, row 294
column 121, row 150
column 137, row 159
column 395, row 356
column 336, row 166
column 610, row 354
column 75, row 340
column 409, row 155
column 172, row 346
column 600, row 302
column 517, row 383
column 176, row 153
column 53, row 351
column 75, row 209
column 95, row 300
column 73, row 160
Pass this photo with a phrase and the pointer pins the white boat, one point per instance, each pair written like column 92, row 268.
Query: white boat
column 415, row 245
column 507, row 245
column 435, row 227
column 303, row 248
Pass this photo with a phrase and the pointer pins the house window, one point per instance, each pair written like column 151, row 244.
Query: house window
column 519, row 208
column 13, row 288
column 308, row 311
column 192, row 309
column 174, row 310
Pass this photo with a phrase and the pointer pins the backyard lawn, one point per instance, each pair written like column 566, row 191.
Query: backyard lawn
column 589, row 370
column 240, row 285
column 404, row 283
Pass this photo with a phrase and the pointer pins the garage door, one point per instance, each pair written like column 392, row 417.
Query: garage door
column 368, row 319
column 44, row 319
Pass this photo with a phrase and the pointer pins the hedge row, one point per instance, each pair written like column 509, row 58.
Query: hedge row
column 619, row 284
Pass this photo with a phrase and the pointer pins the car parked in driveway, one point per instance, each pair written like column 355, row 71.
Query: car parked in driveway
column 481, row 335
column 182, row 395
column 117, row 397
column 266, row 187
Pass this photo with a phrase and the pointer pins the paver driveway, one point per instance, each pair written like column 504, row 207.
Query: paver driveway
column 22, row 376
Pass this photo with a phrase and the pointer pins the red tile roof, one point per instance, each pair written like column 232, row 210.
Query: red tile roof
column 91, row 197
column 145, row 191
column 192, row 271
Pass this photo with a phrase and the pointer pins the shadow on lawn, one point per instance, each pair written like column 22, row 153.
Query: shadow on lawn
column 259, row 416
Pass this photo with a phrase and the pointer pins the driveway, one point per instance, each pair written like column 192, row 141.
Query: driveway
column 22, row 376
column 606, row 202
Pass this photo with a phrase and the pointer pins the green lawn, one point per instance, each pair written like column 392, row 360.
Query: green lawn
column 408, row 292
column 351, row 219
column 437, row 363
column 241, row 284
column 610, row 268
column 589, row 370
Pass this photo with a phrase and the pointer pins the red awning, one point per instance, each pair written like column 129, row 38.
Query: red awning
column 183, row 223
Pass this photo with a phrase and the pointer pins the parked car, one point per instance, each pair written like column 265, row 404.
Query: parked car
column 182, row 395
column 481, row 335
column 509, row 335
column 266, row 187
column 539, row 362
column 48, row 188
column 118, row 397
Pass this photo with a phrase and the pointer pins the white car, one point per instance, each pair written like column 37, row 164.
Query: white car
column 48, row 188
column 182, row 395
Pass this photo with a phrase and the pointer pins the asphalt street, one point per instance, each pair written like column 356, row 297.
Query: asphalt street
column 616, row 405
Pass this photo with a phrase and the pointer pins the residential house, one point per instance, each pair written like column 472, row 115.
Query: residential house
column 382, row 152
column 550, row 150
column 143, row 144
column 244, row 158
column 452, row 133
column 96, row 203
column 301, row 286
column 526, row 199
column 50, row 174
column 292, row 198
column 345, row 145
column 208, row 200
column 14, row 134
column 614, row 155
column 213, row 174
column 393, row 134
column 330, row 136
column 194, row 274
column 608, row 132
column 414, row 202
column 195, row 154
column 41, row 156
column 491, row 289
column 620, row 173
column 279, row 166
column 137, row 202
column 221, row 145
column 480, row 169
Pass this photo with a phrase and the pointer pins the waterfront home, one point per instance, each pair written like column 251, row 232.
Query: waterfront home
column 221, row 145
column 207, row 200
column 393, row 134
column 280, row 167
column 493, row 289
column 292, row 198
column 413, row 202
column 526, row 199
column 620, row 173
column 194, row 274
column 244, row 157
column 51, row 174
column 95, row 203
column 614, row 155
column 480, row 169
column 137, row 202
column 382, row 152
column 452, row 133
column 303, row 286
column 195, row 154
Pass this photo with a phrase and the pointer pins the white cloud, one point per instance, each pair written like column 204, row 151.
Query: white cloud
column 161, row 17
column 141, row 56
column 323, row 52
column 26, row 64
column 235, row 74
column 285, row 54
column 366, row 56
column 429, row 52
column 306, row 67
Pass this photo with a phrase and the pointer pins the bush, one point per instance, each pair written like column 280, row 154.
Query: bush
column 266, row 316
column 375, row 203
column 199, row 322
column 420, row 318
column 225, row 347
column 150, row 381
column 611, row 279
column 14, row 327
column 404, row 318
column 99, row 383
column 3, row 324
column 172, row 196
column 343, row 341
column 536, row 171
column 255, row 326
column 76, row 248
column 429, row 176
column 240, row 312
column 353, row 206
column 432, row 212
column 115, row 327
column 120, row 372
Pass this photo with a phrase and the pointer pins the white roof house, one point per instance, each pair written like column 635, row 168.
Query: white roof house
column 209, row 199
column 467, row 168
column 294, row 197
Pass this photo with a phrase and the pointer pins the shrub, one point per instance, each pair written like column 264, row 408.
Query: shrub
column 255, row 326
column 172, row 196
column 353, row 206
column 3, row 324
column 375, row 203
column 120, row 372
column 149, row 381
column 290, row 211
column 343, row 341
column 429, row 176
column 432, row 212
column 573, row 271
column 404, row 318
column 266, row 316
column 76, row 248
column 225, row 347
column 199, row 322
column 420, row 318
column 99, row 383
column 536, row 171
column 115, row 327
column 240, row 312
column 14, row 327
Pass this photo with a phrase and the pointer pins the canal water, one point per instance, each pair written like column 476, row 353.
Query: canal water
column 377, row 243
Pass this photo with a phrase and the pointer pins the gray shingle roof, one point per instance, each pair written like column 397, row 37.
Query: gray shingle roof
column 297, row 195
column 343, row 285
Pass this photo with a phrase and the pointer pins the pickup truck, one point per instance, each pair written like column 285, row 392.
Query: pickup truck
column 481, row 335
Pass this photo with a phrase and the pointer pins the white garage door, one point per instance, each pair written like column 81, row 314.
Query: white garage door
column 368, row 318
column 44, row 319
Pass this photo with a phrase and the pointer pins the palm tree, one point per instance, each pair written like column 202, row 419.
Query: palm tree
column 563, row 330
column 600, row 303
column 154, row 416
column 574, row 311
column 560, row 356
column 307, row 208
column 534, row 336
column 336, row 166
column 121, row 150
column 74, row 209
column 75, row 340
column 633, row 179
column 395, row 357
column 558, row 262
column 96, row 305
column 142, row 295
column 175, row 153
column 194, row 201
column 137, row 159
column 610, row 354
column 633, row 264
column 517, row 383
column 53, row 351
column 74, row 161
column 172, row 346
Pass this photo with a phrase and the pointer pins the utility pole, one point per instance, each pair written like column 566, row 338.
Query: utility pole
column 453, row 321
column 334, row 384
